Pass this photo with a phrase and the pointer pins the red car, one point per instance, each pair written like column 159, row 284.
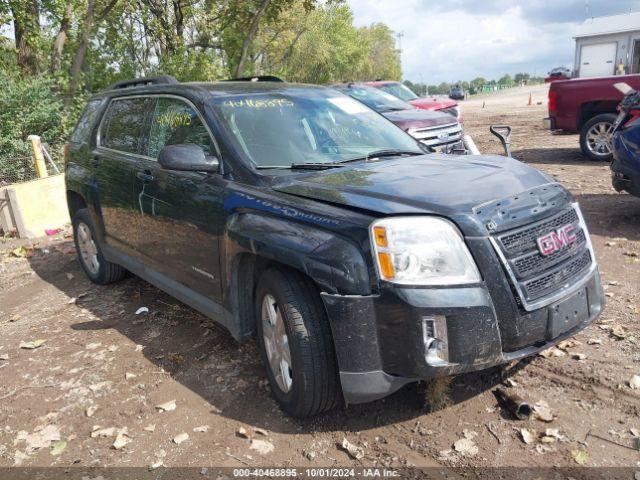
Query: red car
column 401, row 91
column 588, row 106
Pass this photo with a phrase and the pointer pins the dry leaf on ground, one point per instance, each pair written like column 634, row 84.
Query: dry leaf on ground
column 581, row 457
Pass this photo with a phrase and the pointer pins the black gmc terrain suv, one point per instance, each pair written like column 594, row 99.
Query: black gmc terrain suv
column 296, row 214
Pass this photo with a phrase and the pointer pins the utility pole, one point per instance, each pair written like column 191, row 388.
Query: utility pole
column 399, row 36
column 586, row 8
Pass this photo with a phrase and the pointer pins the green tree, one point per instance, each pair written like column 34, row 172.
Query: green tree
column 506, row 80
column 383, row 59
column 241, row 21
column 64, row 49
column 478, row 82
column 330, row 49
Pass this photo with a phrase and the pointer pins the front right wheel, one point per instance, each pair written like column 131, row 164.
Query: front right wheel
column 296, row 343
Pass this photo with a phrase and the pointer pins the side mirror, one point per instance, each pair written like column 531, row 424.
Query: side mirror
column 187, row 157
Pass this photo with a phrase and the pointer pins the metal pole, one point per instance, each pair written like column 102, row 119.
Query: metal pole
column 48, row 157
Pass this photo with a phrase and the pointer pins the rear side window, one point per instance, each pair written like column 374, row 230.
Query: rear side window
column 174, row 122
column 124, row 124
column 86, row 121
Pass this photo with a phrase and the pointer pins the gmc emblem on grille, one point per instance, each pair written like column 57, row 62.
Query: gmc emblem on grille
column 556, row 240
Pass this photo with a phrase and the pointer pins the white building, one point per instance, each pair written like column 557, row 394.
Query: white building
column 602, row 43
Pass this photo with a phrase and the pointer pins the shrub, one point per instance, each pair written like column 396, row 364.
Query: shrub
column 30, row 106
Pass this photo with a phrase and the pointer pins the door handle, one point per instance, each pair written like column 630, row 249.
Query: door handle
column 145, row 176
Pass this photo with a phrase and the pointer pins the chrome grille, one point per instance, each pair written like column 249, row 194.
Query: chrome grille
column 440, row 136
column 536, row 277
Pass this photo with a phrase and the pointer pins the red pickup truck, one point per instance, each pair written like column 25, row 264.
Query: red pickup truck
column 587, row 106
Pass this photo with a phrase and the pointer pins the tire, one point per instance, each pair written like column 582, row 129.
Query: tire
column 312, row 371
column 592, row 137
column 90, row 256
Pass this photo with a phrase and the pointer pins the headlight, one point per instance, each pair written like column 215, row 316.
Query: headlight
column 422, row 251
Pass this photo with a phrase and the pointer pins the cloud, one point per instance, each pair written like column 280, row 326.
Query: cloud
column 453, row 40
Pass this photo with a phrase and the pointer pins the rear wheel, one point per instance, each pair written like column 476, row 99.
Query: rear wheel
column 296, row 344
column 595, row 137
column 89, row 252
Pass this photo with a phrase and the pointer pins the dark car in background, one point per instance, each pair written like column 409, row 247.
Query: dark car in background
column 456, row 93
column 437, row 130
column 297, row 215
column 559, row 73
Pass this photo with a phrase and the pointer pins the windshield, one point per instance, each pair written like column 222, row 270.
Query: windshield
column 398, row 90
column 300, row 126
column 376, row 99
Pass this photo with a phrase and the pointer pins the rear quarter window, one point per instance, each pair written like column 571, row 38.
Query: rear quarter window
column 82, row 132
column 123, row 128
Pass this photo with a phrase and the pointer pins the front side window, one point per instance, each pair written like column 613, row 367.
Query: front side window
column 399, row 90
column 175, row 122
column 293, row 126
column 124, row 124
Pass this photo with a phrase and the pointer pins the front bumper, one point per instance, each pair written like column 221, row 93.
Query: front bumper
column 380, row 346
column 625, row 179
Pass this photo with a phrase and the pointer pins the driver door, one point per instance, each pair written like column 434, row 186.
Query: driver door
column 181, row 213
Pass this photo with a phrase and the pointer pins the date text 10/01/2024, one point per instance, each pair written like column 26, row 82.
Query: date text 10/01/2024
column 316, row 472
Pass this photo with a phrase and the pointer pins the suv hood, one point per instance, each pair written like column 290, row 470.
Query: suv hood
column 416, row 118
column 435, row 184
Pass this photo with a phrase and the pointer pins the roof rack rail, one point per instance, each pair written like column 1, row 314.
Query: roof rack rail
column 143, row 81
column 256, row 78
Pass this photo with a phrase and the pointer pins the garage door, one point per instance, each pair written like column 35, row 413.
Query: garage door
column 598, row 60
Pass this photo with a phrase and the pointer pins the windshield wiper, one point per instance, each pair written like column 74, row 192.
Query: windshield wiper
column 383, row 153
column 315, row 166
column 327, row 165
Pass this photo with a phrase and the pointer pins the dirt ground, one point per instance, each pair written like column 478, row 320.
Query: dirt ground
column 104, row 369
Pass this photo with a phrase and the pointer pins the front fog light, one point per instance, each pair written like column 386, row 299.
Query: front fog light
column 434, row 336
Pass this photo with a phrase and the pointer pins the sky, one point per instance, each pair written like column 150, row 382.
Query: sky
column 450, row 40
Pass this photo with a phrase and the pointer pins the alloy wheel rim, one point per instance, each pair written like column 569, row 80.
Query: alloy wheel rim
column 88, row 249
column 599, row 139
column 276, row 343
